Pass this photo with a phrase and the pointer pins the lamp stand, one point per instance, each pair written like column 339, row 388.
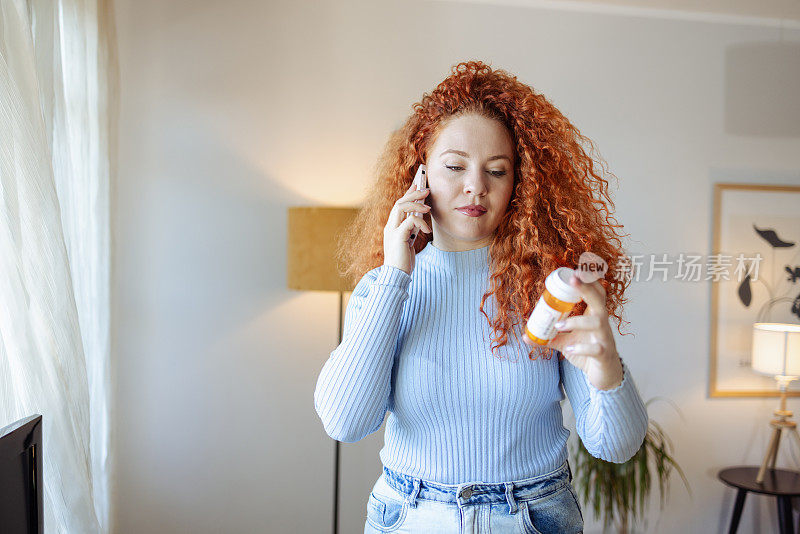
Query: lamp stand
column 336, row 488
column 314, row 263
column 336, row 442
column 782, row 421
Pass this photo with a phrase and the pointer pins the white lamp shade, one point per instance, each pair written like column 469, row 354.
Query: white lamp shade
column 776, row 349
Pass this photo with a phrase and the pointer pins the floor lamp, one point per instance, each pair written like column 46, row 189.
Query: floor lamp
column 776, row 352
column 312, row 266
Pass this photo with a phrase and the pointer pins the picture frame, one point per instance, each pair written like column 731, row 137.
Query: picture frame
column 751, row 221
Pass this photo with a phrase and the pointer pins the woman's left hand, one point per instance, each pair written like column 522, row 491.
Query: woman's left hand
column 586, row 341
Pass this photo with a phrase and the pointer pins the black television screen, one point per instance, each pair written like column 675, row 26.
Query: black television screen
column 21, row 477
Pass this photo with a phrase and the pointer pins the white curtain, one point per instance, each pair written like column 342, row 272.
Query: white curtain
column 57, row 86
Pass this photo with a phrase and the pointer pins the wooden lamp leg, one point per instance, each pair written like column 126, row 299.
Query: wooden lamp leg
column 777, row 446
column 782, row 421
column 769, row 458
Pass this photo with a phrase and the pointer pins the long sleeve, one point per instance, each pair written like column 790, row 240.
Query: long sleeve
column 611, row 423
column 353, row 387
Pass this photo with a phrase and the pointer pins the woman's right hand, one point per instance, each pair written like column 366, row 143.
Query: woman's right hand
column 398, row 249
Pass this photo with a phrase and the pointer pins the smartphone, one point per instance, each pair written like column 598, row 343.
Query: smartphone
column 421, row 181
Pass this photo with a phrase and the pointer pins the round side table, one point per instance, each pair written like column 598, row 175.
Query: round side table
column 781, row 483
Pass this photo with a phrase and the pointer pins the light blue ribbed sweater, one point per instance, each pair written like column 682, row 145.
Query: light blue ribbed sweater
column 418, row 347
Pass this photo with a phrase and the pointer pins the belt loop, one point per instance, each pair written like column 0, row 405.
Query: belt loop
column 412, row 499
column 512, row 503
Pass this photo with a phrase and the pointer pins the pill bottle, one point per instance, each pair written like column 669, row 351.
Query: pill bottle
column 556, row 303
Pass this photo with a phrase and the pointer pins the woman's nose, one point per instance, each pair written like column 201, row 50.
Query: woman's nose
column 475, row 187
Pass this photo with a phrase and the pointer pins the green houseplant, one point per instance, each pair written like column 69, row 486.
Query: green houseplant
column 618, row 492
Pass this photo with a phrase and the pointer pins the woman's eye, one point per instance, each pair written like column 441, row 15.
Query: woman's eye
column 455, row 168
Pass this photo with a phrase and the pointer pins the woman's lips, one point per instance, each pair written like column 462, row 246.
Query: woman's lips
column 471, row 212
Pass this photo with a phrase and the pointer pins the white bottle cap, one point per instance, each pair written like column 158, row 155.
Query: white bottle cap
column 557, row 283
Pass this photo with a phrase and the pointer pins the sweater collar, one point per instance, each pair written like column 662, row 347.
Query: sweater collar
column 458, row 261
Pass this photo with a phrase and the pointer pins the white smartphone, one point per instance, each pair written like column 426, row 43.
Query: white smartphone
column 421, row 181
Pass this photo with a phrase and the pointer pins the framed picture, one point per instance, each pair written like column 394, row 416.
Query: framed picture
column 757, row 234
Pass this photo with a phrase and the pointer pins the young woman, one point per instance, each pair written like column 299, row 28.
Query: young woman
column 474, row 440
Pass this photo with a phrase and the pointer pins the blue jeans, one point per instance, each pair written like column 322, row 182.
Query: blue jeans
column 543, row 504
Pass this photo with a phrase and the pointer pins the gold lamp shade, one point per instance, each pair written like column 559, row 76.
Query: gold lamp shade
column 313, row 236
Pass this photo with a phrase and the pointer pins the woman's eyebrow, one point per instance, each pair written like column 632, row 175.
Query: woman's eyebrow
column 460, row 153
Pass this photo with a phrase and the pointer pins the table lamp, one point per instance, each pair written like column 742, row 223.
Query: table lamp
column 776, row 352
column 312, row 266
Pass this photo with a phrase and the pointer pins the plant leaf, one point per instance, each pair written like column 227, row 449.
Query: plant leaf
column 770, row 236
column 744, row 291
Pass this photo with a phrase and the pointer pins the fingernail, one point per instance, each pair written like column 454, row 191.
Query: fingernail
column 559, row 324
column 569, row 348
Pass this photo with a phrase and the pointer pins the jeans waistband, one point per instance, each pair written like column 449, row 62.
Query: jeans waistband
column 479, row 492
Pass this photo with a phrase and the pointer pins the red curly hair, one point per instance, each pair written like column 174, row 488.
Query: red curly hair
column 559, row 207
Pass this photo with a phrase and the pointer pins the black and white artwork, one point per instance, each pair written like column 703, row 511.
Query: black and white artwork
column 756, row 227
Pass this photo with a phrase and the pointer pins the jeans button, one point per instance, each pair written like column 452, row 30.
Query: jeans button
column 466, row 493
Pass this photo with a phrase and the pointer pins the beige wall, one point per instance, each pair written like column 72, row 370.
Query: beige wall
column 233, row 111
